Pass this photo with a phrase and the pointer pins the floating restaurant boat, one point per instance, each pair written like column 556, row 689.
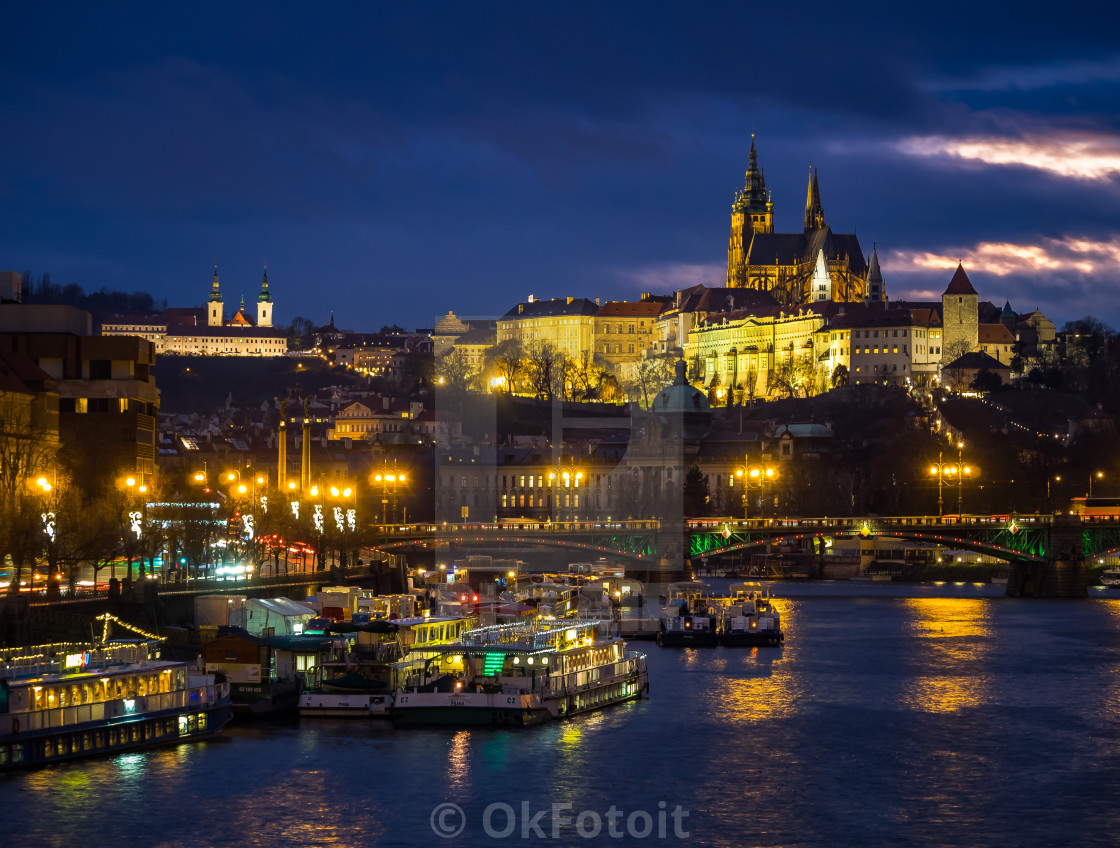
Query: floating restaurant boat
column 522, row 674
column 749, row 618
column 369, row 662
column 63, row 702
column 690, row 618
column 1111, row 577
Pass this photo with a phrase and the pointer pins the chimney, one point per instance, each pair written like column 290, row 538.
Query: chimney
column 596, row 301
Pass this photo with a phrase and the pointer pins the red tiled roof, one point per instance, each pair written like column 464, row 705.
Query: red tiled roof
column 960, row 284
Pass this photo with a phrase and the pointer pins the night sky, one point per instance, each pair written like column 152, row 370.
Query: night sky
column 391, row 161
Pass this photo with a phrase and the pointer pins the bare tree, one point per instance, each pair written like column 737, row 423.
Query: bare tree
column 453, row 370
column 544, row 369
column 950, row 357
column 507, row 360
column 650, row 376
column 749, row 383
column 27, row 448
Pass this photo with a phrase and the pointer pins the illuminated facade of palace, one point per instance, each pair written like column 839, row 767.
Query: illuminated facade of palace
column 741, row 348
column 564, row 322
column 796, row 268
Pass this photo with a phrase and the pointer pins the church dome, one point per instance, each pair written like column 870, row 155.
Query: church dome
column 681, row 397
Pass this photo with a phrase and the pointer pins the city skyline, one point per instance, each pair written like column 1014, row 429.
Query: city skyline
column 483, row 154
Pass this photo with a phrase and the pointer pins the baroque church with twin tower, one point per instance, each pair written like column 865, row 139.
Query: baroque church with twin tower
column 815, row 264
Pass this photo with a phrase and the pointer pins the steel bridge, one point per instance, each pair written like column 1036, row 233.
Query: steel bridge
column 1014, row 538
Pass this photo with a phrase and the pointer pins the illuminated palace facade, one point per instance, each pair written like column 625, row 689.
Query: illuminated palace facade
column 796, row 268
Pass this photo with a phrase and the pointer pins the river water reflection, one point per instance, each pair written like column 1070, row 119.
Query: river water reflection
column 895, row 715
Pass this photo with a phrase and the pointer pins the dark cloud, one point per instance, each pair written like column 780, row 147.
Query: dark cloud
column 390, row 161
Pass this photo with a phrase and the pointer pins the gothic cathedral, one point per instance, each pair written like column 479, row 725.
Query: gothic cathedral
column 796, row 268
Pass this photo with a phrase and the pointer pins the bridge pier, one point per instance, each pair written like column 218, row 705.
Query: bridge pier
column 1063, row 575
column 1054, row 579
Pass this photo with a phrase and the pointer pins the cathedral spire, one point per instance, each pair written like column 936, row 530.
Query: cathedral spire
column 754, row 191
column 264, row 296
column 875, row 289
column 814, row 213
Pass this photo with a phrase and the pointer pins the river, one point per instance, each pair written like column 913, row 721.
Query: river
column 895, row 715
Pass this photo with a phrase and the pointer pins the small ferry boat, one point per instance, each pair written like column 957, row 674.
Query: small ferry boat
column 1111, row 577
column 690, row 618
column 522, row 674
column 62, row 702
column 750, row 619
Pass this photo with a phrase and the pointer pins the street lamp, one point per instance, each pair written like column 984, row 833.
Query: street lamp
column 954, row 471
column 1057, row 479
column 1099, row 475
column 568, row 477
column 755, row 475
column 388, row 481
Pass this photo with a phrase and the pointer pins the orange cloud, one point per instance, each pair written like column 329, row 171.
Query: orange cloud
column 1076, row 253
column 1077, row 155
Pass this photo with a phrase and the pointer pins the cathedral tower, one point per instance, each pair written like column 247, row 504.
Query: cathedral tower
column 214, row 319
column 264, row 303
column 814, row 213
column 752, row 212
column 876, row 290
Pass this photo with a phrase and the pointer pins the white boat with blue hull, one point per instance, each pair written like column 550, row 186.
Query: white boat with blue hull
column 522, row 674
column 64, row 702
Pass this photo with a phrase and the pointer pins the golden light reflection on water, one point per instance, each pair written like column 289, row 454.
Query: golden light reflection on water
column 756, row 685
column 955, row 637
column 459, row 763
column 1110, row 700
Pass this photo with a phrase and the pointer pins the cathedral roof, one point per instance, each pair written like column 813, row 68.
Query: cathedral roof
column 239, row 320
column 796, row 248
column 960, row 284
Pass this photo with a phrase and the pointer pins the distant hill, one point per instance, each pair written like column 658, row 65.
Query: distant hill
column 202, row 383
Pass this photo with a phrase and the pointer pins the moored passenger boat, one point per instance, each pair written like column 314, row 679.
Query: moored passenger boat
column 63, row 702
column 749, row 618
column 522, row 674
column 368, row 664
column 690, row 618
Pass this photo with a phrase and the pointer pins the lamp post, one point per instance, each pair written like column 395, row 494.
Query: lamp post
column 1057, row 479
column 388, row 481
column 954, row 471
column 754, row 475
column 1099, row 475
column 567, row 477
